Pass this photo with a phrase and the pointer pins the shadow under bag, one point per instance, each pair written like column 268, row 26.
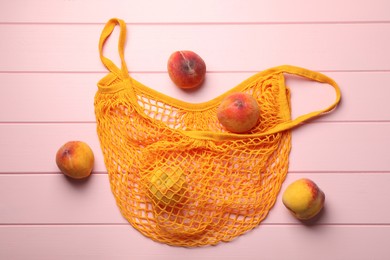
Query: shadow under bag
column 177, row 175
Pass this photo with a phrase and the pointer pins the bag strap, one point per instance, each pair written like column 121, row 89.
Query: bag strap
column 305, row 73
column 123, row 72
column 314, row 76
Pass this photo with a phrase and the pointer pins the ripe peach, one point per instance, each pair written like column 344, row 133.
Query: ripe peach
column 238, row 112
column 304, row 199
column 186, row 69
column 168, row 186
column 75, row 159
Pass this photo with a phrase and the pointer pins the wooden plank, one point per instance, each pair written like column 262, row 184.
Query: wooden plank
column 37, row 144
column 55, row 199
column 267, row 242
column 340, row 147
column 249, row 47
column 28, row 199
column 62, row 104
column 76, row 11
column 325, row 147
column 64, row 97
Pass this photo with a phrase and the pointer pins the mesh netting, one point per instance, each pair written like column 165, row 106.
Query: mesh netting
column 181, row 188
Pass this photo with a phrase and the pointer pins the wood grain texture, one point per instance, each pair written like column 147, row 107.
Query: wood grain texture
column 252, row 47
column 68, row 97
column 120, row 242
column 201, row 11
column 49, row 68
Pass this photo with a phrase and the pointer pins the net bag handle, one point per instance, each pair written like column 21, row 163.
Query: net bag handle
column 302, row 72
column 314, row 76
column 122, row 72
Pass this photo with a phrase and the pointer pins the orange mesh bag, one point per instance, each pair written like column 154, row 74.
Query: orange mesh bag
column 177, row 175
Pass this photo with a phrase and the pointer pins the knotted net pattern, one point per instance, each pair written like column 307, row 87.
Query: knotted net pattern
column 181, row 188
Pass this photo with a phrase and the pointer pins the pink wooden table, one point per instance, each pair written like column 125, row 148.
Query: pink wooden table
column 49, row 67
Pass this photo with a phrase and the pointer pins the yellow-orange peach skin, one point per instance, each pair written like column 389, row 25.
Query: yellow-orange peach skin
column 75, row 159
column 304, row 199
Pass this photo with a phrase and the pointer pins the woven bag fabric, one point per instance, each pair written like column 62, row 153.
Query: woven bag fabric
column 177, row 175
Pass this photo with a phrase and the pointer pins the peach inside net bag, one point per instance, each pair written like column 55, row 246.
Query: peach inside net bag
column 177, row 176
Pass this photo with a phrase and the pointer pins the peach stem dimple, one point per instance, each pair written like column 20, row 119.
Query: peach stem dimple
column 187, row 66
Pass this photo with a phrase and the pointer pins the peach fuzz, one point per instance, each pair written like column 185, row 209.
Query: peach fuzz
column 186, row 69
column 238, row 112
column 304, row 199
column 75, row 159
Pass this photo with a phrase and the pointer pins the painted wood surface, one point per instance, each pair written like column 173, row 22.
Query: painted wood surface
column 238, row 47
column 49, row 68
column 202, row 11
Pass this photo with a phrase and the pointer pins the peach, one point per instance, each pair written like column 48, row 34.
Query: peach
column 75, row 159
column 238, row 112
column 304, row 199
column 168, row 186
column 186, row 69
